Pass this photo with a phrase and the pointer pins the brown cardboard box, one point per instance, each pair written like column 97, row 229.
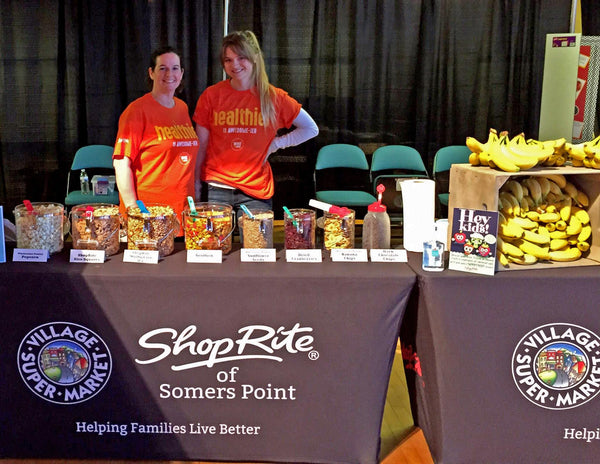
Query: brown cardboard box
column 476, row 187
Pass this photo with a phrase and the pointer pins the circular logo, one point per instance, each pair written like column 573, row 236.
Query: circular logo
column 557, row 366
column 237, row 144
column 184, row 158
column 64, row 363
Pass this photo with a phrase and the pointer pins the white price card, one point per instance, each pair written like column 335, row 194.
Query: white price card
column 141, row 256
column 26, row 255
column 388, row 256
column 87, row 256
column 258, row 255
column 205, row 256
column 304, row 256
column 350, row 255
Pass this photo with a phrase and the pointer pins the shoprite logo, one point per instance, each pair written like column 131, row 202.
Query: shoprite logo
column 557, row 366
column 189, row 350
column 64, row 363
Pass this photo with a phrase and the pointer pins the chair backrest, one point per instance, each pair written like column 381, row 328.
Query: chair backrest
column 93, row 156
column 447, row 156
column 397, row 157
column 341, row 155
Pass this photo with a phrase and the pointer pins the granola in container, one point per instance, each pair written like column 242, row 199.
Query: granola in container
column 96, row 227
column 154, row 231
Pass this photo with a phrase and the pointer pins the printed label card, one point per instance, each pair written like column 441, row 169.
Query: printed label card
column 473, row 242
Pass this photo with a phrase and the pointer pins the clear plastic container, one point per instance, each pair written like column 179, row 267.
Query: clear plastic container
column 300, row 236
column 376, row 231
column 154, row 231
column 210, row 227
column 96, row 227
column 257, row 232
column 42, row 228
column 338, row 231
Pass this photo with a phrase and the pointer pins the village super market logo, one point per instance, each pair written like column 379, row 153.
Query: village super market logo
column 64, row 363
column 557, row 366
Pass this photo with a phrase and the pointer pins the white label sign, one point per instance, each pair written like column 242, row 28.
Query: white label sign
column 258, row 255
column 388, row 256
column 352, row 255
column 141, row 256
column 87, row 256
column 205, row 256
column 26, row 255
column 304, row 256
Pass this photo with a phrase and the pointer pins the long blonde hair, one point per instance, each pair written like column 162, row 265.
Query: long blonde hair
column 244, row 43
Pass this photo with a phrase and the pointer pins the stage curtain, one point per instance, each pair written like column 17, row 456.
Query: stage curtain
column 421, row 73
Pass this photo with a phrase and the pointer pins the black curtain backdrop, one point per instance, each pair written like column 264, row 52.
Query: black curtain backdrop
column 420, row 73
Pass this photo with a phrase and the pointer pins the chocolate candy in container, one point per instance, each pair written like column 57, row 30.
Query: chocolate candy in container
column 96, row 227
column 338, row 230
column 299, row 229
column 154, row 230
column 209, row 226
column 257, row 229
column 40, row 226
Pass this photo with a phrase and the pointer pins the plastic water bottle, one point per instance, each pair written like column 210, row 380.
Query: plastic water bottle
column 84, row 182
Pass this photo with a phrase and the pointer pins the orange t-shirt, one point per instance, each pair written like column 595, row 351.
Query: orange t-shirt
column 238, row 141
column 162, row 146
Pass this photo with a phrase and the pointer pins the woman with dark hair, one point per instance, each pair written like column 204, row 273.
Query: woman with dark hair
column 156, row 147
column 237, row 122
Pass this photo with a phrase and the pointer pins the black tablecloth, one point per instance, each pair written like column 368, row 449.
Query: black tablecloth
column 475, row 344
column 98, row 358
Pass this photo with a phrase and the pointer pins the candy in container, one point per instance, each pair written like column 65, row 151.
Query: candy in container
column 40, row 226
column 208, row 226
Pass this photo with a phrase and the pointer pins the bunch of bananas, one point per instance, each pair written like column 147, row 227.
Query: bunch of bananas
column 585, row 154
column 542, row 218
column 517, row 153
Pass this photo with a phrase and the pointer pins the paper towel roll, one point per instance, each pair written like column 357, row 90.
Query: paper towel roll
column 418, row 201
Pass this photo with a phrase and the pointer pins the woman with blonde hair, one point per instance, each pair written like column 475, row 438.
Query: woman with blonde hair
column 237, row 122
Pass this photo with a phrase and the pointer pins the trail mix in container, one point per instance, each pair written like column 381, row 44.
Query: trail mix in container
column 210, row 228
column 154, row 231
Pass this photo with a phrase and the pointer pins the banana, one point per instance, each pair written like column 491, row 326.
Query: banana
column 565, row 210
column 502, row 162
column 474, row 159
column 576, row 163
column 540, row 252
column 561, row 225
column 582, row 199
column 533, row 215
column 558, row 234
column 574, row 227
column 474, row 145
column 558, row 244
column 503, row 259
column 544, row 185
column 583, row 246
column 535, row 190
column 510, row 204
column 575, row 151
column 515, row 188
column 558, row 179
column 536, row 238
column 582, row 215
column 585, row 234
column 570, row 254
column 523, row 222
column 571, row 190
column 542, row 230
column 510, row 230
column 509, row 249
column 549, row 217
column 525, row 260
